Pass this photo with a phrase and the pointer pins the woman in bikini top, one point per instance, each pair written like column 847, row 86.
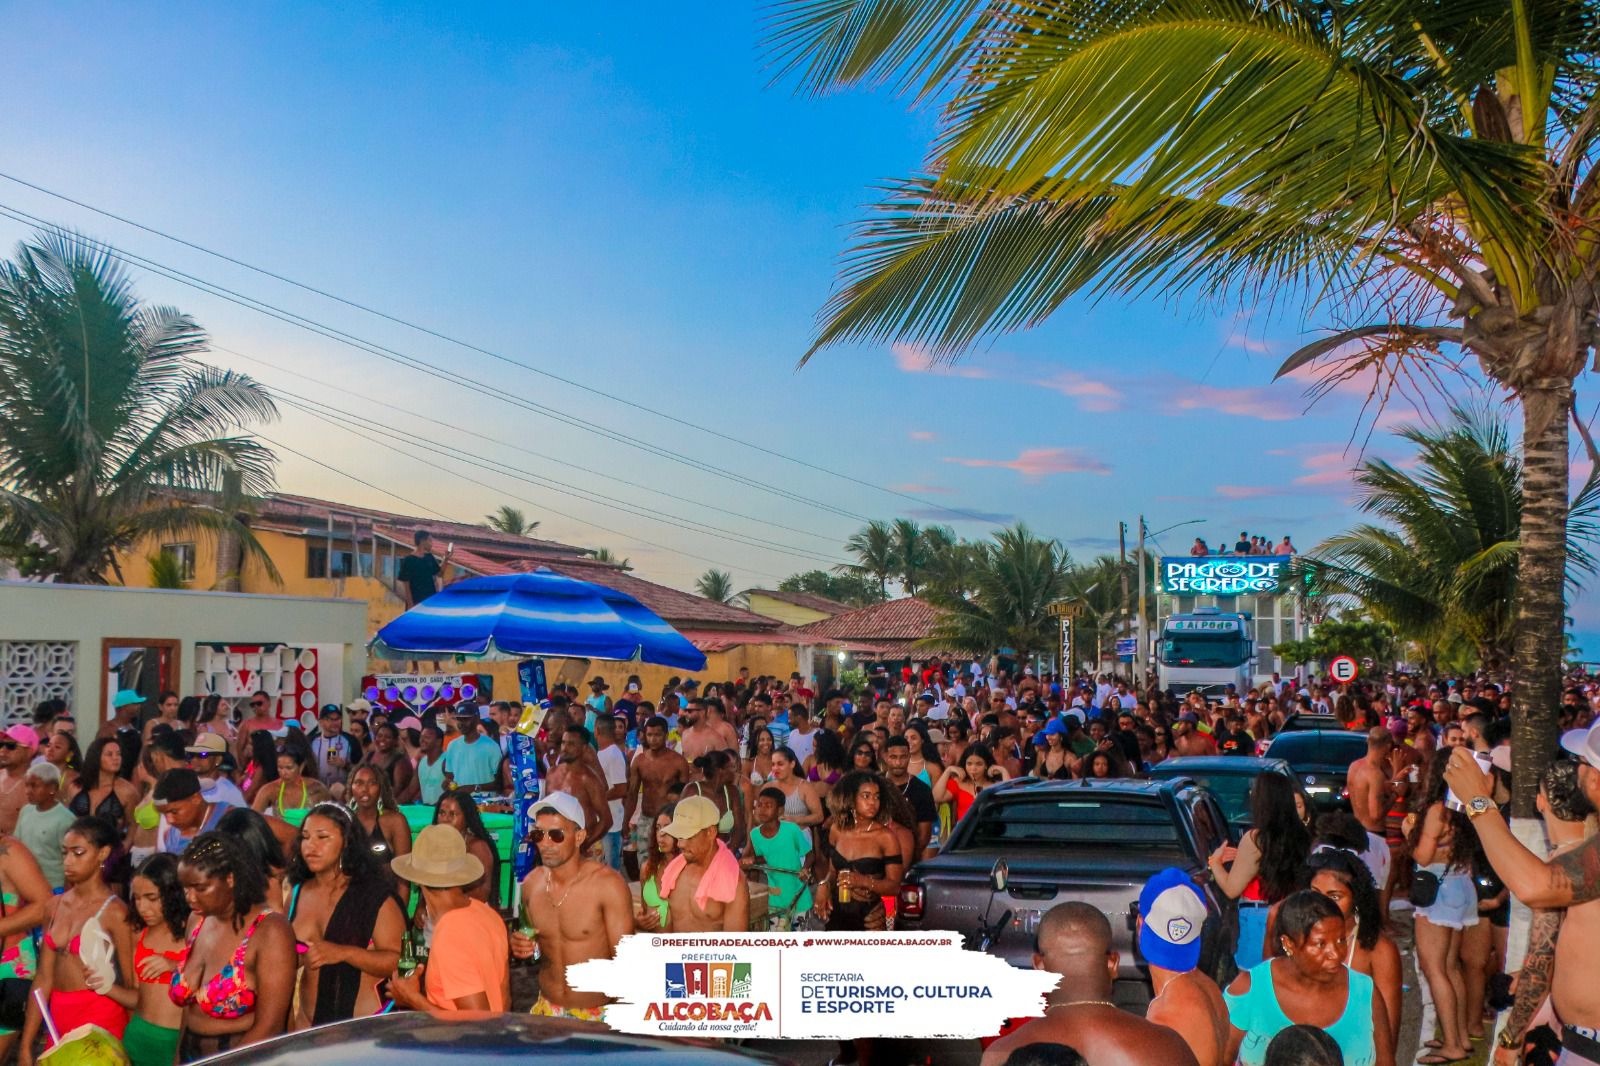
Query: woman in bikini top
column 237, row 981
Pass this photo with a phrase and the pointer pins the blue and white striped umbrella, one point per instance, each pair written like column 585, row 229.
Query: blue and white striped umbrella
column 539, row 614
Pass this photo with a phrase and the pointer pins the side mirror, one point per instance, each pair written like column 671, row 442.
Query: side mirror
column 999, row 874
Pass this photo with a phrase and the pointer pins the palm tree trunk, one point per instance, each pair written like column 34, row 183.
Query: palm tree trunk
column 1541, row 576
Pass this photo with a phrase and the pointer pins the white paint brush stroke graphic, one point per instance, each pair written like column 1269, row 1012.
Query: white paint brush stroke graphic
column 809, row 986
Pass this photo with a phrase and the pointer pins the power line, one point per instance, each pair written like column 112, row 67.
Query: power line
column 320, row 410
column 515, row 447
column 521, row 499
column 469, row 346
column 392, row 355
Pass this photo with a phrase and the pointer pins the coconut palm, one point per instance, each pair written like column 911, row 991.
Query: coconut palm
column 910, row 554
column 1419, row 174
column 508, row 519
column 951, row 566
column 715, row 585
column 1016, row 576
column 873, row 545
column 606, row 555
column 1443, row 566
column 111, row 431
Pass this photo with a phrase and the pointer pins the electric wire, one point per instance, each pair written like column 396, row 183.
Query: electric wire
column 469, row 346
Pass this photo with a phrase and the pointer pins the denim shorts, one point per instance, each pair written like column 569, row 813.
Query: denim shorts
column 1457, row 904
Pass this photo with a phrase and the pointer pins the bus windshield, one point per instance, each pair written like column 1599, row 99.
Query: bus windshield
column 1203, row 649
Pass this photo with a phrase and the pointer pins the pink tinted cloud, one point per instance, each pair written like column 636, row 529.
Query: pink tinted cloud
column 913, row 360
column 1269, row 405
column 1036, row 463
column 919, row 488
column 1092, row 395
column 1326, row 468
column 1245, row 492
column 923, row 435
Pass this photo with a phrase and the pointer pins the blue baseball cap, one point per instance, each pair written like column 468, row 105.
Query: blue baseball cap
column 1173, row 913
column 1054, row 726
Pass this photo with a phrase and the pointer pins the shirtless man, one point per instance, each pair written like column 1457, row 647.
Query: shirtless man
column 1172, row 914
column 18, row 746
column 1075, row 942
column 580, row 908
column 1368, row 781
column 573, row 775
column 694, row 826
column 1570, row 880
column 696, row 736
column 654, row 770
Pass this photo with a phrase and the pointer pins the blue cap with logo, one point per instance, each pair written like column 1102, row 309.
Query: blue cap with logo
column 1173, row 912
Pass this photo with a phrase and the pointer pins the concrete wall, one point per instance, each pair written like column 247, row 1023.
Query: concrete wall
column 88, row 615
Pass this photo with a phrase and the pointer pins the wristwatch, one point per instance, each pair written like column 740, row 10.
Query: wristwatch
column 1479, row 805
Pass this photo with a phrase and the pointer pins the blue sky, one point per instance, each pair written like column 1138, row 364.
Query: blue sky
column 628, row 203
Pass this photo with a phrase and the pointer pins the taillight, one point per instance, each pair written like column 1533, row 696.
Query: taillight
column 911, row 901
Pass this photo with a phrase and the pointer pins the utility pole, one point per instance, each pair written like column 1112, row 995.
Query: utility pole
column 1122, row 570
column 1140, row 651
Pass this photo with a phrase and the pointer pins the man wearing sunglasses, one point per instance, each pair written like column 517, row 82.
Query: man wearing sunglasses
column 261, row 716
column 18, row 745
column 579, row 908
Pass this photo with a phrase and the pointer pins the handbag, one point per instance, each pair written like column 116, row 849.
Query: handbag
column 13, row 990
column 1424, row 888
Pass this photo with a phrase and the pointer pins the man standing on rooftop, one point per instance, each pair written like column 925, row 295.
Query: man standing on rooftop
column 417, row 576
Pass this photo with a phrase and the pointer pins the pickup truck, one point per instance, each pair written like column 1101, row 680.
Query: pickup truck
column 1097, row 841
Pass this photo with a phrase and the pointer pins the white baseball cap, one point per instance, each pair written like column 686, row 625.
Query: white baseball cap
column 564, row 804
column 1584, row 743
column 1174, row 914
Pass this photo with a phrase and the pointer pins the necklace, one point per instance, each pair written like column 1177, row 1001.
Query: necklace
column 564, row 895
column 1083, row 1003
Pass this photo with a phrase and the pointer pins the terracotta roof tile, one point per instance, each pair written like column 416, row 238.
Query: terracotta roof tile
column 309, row 511
column 905, row 619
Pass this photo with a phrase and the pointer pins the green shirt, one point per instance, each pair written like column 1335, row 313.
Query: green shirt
column 785, row 850
column 41, row 833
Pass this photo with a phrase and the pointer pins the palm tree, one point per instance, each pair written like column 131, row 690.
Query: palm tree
column 511, row 520
column 715, row 585
column 1444, row 566
column 1016, row 577
column 910, row 554
column 874, row 548
column 951, row 566
column 1421, row 174
column 166, row 572
column 606, row 555
column 111, row 431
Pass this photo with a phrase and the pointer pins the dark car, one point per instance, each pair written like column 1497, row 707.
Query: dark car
column 413, row 1038
column 1227, row 777
column 1301, row 721
column 1091, row 841
column 1321, row 759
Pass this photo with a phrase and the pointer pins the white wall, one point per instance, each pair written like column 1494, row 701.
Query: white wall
column 86, row 614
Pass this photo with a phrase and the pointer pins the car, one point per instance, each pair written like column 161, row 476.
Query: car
column 1094, row 841
column 1301, row 721
column 1227, row 777
column 417, row 1038
column 1321, row 759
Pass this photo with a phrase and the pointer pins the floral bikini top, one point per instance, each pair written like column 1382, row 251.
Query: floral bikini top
column 227, row 995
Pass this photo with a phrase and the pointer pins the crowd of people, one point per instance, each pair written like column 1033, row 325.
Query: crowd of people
column 194, row 880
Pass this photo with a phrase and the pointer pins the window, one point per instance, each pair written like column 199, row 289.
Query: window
column 1078, row 821
column 344, row 562
column 183, row 556
column 316, row 561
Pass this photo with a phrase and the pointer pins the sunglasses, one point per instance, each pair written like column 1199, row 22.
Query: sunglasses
column 258, row 703
column 7, row 746
column 556, row 836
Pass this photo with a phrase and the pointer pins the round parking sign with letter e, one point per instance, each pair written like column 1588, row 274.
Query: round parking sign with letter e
column 1343, row 669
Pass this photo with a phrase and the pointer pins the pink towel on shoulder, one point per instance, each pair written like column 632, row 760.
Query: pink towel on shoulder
column 720, row 881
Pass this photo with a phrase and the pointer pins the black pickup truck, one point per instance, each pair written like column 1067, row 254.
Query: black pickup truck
column 1094, row 841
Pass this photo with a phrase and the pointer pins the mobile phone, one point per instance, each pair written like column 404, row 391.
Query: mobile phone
column 449, row 547
column 1485, row 763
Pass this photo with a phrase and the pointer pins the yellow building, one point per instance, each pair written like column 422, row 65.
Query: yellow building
column 792, row 608
column 323, row 548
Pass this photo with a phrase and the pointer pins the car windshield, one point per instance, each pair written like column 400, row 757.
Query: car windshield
column 1319, row 746
column 1087, row 820
column 1231, row 790
column 1203, row 649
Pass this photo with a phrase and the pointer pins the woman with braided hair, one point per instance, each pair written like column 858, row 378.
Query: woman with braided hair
column 236, row 984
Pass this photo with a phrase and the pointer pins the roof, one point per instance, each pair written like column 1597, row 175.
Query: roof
column 903, row 620
column 302, row 513
column 809, row 600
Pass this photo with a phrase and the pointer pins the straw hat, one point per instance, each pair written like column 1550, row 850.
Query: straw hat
column 438, row 859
